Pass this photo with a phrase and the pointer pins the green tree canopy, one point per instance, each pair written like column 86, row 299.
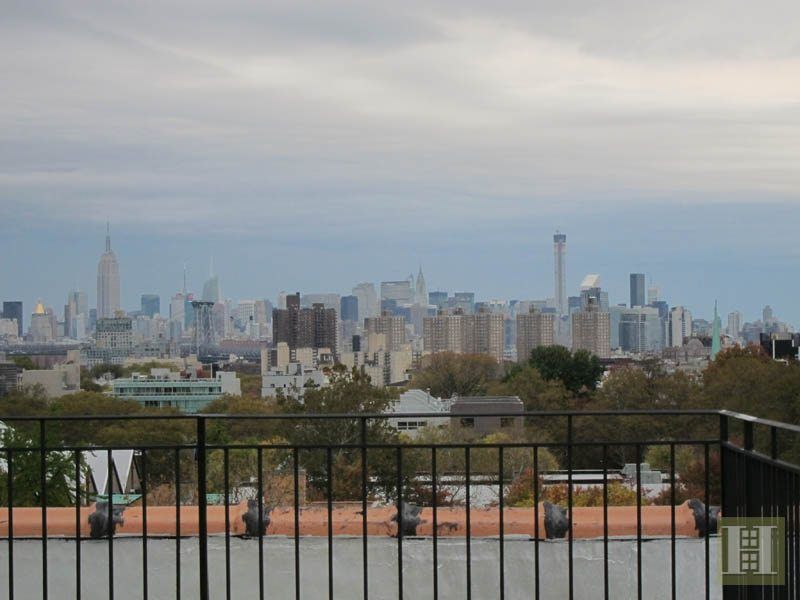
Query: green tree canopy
column 579, row 371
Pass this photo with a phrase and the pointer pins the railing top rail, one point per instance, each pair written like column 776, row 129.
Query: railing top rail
column 367, row 416
column 760, row 421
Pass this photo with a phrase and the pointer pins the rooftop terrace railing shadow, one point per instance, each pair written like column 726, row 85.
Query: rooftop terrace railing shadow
column 256, row 475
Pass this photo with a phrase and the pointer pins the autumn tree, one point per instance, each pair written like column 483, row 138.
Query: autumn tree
column 447, row 374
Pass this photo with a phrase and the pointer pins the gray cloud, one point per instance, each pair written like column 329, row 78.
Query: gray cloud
column 231, row 113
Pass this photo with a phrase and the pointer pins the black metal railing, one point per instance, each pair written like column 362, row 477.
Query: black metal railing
column 744, row 467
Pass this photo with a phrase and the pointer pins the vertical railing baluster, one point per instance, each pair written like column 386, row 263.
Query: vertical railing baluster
column 501, row 470
column 605, row 522
column 144, row 525
column 10, row 490
column 43, row 502
column 536, row 576
column 177, row 523
column 364, row 490
column 260, row 485
column 202, row 506
column 399, row 451
column 78, row 478
column 329, row 470
column 672, row 565
column 296, row 499
column 639, row 522
column 110, row 516
column 435, row 504
column 226, row 489
column 707, row 516
column 570, row 507
column 469, row 523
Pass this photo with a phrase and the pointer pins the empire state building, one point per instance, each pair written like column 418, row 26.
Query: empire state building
column 107, row 282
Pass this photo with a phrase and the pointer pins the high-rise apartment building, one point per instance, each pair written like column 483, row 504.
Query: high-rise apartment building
column 591, row 330
column 680, row 326
column 534, row 329
column 151, row 305
column 13, row 310
column 637, row 289
column 115, row 334
column 389, row 325
column 313, row 327
column 560, row 272
column 107, row 282
column 481, row 333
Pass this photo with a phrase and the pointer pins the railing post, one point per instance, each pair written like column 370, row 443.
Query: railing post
column 201, row 504
column 748, row 436
column 724, row 475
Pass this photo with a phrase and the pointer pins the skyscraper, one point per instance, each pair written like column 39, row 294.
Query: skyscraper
column 637, row 289
column 76, row 315
column 560, row 258
column 107, row 282
column 151, row 305
column 211, row 289
column 41, row 329
column 734, row 324
column 680, row 326
column 348, row 308
column 13, row 310
column 368, row 304
column 715, row 333
column 422, row 289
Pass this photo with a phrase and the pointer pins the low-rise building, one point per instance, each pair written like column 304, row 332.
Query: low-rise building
column 418, row 402
column 465, row 411
column 170, row 389
column 292, row 380
column 63, row 378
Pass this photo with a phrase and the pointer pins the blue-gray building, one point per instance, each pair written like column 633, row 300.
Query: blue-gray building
column 13, row 310
column 151, row 305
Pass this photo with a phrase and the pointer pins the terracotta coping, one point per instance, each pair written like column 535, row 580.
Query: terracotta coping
column 347, row 521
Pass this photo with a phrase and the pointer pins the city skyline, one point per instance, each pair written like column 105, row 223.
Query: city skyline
column 617, row 283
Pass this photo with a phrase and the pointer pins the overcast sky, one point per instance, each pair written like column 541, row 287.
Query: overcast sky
column 312, row 145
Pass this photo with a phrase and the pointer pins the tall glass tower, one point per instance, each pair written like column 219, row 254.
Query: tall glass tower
column 560, row 258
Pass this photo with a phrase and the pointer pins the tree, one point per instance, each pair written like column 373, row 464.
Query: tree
column 536, row 392
column 447, row 374
column 579, row 372
column 348, row 392
column 25, row 362
column 26, row 465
